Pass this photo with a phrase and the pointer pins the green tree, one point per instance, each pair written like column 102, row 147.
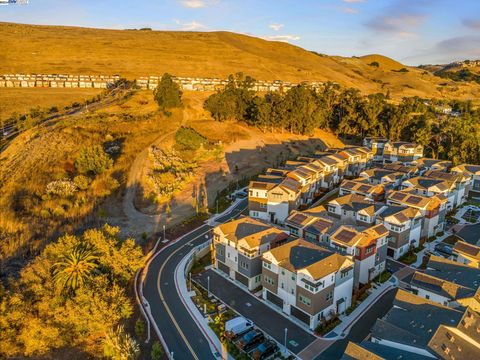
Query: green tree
column 168, row 94
column 93, row 160
column 75, row 268
column 139, row 328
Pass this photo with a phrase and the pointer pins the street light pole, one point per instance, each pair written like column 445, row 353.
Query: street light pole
column 163, row 232
column 286, row 331
column 190, row 280
column 208, row 286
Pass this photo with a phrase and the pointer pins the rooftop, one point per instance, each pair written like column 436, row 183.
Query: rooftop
column 453, row 272
column 470, row 234
column 368, row 350
column 242, row 227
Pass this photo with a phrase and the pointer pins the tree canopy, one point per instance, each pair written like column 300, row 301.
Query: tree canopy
column 168, row 94
column 37, row 315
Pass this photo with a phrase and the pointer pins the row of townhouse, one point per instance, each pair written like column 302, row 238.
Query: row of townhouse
column 275, row 194
column 58, row 81
column 304, row 280
column 386, row 151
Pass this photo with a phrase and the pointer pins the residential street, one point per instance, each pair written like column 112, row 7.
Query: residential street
column 267, row 319
column 179, row 330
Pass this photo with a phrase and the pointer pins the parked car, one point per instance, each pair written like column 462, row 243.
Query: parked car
column 264, row 350
column 241, row 194
column 444, row 248
column 249, row 340
column 236, row 327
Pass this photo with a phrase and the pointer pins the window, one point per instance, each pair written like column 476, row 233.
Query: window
column 304, row 300
column 293, row 277
column 330, row 296
column 267, row 265
column 269, row 280
column 244, row 264
column 344, row 212
column 283, row 272
column 282, row 285
column 363, row 218
column 263, row 205
column 427, row 297
column 228, row 255
column 344, row 274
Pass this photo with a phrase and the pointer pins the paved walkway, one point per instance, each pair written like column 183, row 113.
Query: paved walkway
column 429, row 246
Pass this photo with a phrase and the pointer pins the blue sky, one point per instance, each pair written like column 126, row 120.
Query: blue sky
column 412, row 31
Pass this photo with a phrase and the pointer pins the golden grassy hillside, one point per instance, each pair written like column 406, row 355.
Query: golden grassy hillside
column 22, row 100
column 130, row 53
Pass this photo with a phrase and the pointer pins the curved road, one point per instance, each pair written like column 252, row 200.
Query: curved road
column 179, row 330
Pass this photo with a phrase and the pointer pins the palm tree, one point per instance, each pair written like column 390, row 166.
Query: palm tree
column 75, row 268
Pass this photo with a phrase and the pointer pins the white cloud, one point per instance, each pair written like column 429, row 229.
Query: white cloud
column 349, row 10
column 353, row 1
column 284, row 38
column 194, row 4
column 189, row 26
column 275, row 26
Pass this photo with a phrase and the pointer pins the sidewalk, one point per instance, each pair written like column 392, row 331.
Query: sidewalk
column 429, row 246
column 342, row 330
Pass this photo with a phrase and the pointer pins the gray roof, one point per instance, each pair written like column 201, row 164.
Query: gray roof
column 301, row 256
column 413, row 320
column 390, row 210
column 389, row 352
column 454, row 272
column 470, row 234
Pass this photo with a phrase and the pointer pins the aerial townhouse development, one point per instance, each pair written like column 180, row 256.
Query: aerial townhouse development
column 238, row 246
column 379, row 201
column 307, row 281
column 433, row 209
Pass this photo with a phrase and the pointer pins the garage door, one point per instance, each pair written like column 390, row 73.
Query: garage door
column 241, row 278
column 274, row 299
column 300, row 315
column 223, row 267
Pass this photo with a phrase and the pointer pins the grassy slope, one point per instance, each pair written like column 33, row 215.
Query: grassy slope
column 22, row 100
column 53, row 49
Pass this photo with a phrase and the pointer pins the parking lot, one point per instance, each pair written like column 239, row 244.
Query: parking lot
column 264, row 317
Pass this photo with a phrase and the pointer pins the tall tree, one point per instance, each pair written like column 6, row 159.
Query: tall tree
column 168, row 94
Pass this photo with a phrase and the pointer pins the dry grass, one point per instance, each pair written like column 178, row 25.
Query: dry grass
column 53, row 49
column 46, row 153
column 21, row 100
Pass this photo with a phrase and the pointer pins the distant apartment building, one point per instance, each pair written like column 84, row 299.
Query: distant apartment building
column 433, row 210
column 376, row 145
column 368, row 249
column 238, row 246
column 307, row 282
column 404, row 225
column 403, row 152
column 472, row 174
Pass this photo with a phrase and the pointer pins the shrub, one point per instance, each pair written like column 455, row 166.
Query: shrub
column 93, row 160
column 62, row 188
column 157, row 351
column 374, row 64
column 189, row 139
column 82, row 182
column 139, row 327
column 168, row 94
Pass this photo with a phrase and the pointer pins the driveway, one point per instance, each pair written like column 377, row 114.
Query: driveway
column 247, row 305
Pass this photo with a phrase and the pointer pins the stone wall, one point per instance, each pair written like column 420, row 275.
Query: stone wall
column 150, row 82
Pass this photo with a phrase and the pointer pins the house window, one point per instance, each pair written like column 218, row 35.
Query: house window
column 267, row 265
column 283, row 272
column 269, row 280
column 344, row 274
column 427, row 297
column 330, row 296
column 304, row 300
column 263, row 205
column 282, row 285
